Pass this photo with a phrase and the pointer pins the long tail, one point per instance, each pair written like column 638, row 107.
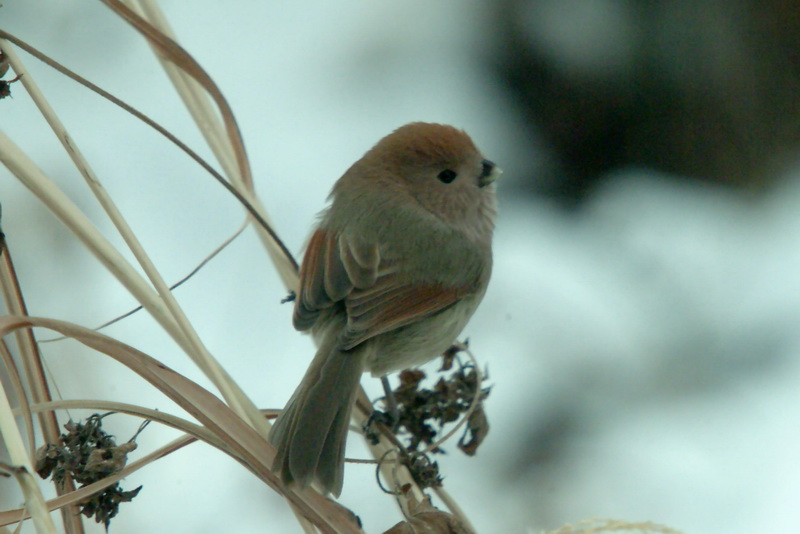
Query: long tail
column 311, row 432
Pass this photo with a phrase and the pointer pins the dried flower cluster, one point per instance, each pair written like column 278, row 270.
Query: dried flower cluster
column 86, row 453
column 422, row 414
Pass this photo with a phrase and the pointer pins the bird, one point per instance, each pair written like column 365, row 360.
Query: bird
column 393, row 270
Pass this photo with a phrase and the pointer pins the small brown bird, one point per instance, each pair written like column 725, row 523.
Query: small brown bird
column 394, row 270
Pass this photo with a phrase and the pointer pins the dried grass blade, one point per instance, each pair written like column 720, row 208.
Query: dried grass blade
column 79, row 224
column 195, row 97
column 22, row 467
column 197, row 401
column 74, row 497
column 12, row 373
column 74, row 219
column 167, row 419
column 256, row 213
column 192, row 93
column 183, row 332
column 249, row 446
column 175, row 53
column 28, row 348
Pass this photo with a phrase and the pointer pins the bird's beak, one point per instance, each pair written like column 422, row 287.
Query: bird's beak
column 491, row 172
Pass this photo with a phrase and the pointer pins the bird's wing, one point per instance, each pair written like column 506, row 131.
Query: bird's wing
column 390, row 304
column 377, row 300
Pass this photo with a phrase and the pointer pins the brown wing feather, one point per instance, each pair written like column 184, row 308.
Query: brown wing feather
column 362, row 262
column 376, row 300
column 310, row 295
column 387, row 306
column 331, row 268
column 338, row 282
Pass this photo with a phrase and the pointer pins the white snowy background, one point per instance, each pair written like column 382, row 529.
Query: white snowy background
column 643, row 351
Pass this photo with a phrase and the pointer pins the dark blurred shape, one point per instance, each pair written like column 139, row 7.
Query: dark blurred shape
column 544, row 443
column 706, row 90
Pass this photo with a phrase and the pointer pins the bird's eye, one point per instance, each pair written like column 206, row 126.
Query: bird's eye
column 447, row 176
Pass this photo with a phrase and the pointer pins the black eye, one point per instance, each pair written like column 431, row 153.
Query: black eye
column 488, row 167
column 447, row 176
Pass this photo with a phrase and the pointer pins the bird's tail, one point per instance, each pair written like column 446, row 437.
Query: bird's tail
column 311, row 432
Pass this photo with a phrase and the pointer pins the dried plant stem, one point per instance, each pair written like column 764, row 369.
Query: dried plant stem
column 34, row 371
column 215, row 120
column 453, row 506
column 193, row 429
column 166, row 311
column 242, row 442
column 601, row 526
column 18, row 390
column 23, row 469
column 286, row 265
column 309, row 503
column 73, row 497
column 192, row 93
column 181, row 329
column 29, row 349
column 168, row 49
column 386, row 445
column 194, row 271
column 74, row 219
column 207, row 120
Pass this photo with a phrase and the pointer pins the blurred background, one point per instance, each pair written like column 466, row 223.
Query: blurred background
column 641, row 328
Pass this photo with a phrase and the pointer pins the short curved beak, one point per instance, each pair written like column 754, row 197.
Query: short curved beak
column 491, row 172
